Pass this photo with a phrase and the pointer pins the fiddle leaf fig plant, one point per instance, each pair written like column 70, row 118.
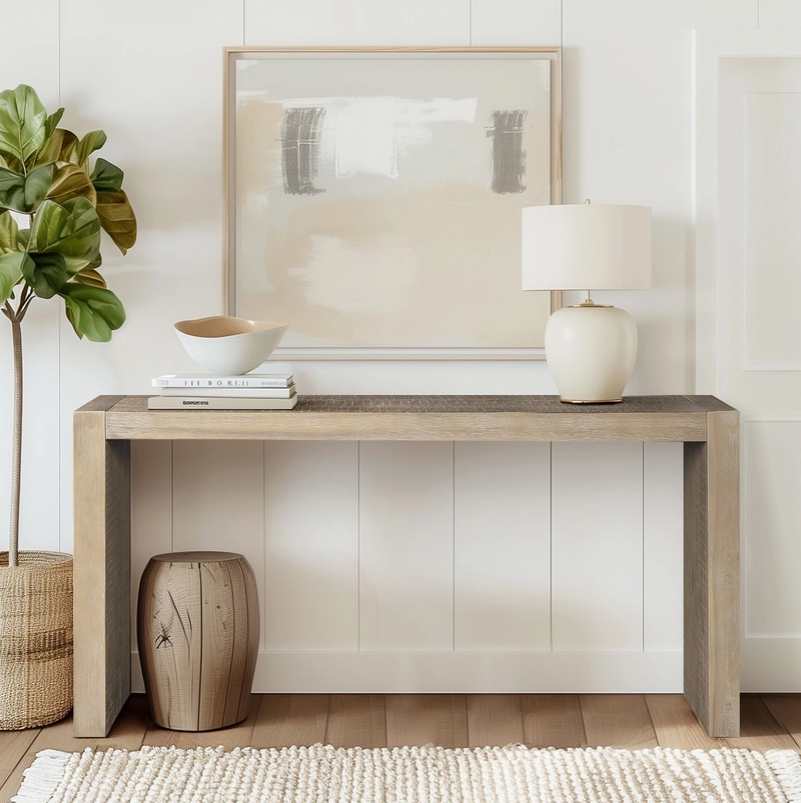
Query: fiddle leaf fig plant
column 53, row 205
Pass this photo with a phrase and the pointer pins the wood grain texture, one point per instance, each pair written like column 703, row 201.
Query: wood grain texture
column 421, row 418
column 553, row 720
column 786, row 710
column 617, row 720
column 356, row 720
column 102, row 571
column 198, row 634
column 712, row 575
column 284, row 720
column 420, row 719
column 13, row 746
column 494, row 719
column 759, row 729
column 675, row 724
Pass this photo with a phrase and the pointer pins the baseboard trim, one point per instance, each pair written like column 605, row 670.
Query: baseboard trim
column 463, row 672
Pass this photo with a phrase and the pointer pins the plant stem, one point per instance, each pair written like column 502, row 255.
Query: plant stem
column 16, row 449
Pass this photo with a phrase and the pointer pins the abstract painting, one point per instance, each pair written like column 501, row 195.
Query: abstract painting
column 374, row 197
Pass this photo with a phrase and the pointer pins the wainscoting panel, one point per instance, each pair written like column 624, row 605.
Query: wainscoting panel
column 406, row 546
column 502, row 552
column 311, row 514
column 597, row 530
column 663, row 558
column 218, row 499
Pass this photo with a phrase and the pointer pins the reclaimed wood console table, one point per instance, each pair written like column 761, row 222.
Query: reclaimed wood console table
column 709, row 429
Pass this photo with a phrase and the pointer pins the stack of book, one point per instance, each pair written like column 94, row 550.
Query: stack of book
column 248, row 392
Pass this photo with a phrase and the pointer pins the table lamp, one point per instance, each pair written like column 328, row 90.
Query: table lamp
column 590, row 348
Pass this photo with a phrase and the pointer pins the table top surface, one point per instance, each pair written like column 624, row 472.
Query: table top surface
column 473, row 404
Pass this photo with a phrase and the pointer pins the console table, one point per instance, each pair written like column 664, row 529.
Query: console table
column 709, row 429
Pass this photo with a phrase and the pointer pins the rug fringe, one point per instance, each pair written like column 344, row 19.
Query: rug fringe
column 42, row 778
column 787, row 766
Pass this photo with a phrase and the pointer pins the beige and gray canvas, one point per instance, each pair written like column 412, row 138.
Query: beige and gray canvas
column 378, row 199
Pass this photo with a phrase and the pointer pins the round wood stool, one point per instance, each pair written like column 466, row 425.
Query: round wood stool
column 198, row 636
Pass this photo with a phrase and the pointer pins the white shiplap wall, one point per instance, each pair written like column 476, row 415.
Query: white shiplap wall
column 385, row 566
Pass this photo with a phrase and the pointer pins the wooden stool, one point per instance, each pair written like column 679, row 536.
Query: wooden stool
column 198, row 636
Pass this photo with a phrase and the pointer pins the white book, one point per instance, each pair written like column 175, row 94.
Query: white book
column 232, row 393
column 201, row 403
column 211, row 381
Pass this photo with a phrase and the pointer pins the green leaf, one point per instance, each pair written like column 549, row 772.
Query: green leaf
column 45, row 273
column 37, row 183
column 71, row 181
column 11, row 267
column 71, row 229
column 92, row 311
column 90, row 143
column 12, row 190
column 8, row 233
column 117, row 218
column 107, row 177
column 61, row 147
column 24, row 193
column 23, row 238
column 22, row 122
column 51, row 122
column 91, row 277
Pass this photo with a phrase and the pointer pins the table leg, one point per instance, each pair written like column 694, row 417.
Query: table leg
column 102, row 560
column 712, row 575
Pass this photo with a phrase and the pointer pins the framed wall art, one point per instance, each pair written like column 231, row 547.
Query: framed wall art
column 374, row 197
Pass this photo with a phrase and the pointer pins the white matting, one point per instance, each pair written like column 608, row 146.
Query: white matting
column 320, row 774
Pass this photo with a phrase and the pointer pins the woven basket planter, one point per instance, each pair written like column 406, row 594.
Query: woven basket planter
column 35, row 639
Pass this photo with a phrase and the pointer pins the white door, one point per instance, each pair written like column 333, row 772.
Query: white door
column 749, row 338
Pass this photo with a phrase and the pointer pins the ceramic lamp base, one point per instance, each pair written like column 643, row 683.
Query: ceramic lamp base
column 591, row 351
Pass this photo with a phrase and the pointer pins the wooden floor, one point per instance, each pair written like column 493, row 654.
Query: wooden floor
column 452, row 720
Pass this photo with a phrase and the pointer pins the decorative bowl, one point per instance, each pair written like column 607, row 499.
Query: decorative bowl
column 224, row 345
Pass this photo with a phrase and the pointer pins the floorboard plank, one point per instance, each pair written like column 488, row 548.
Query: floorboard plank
column 13, row 746
column 786, row 710
column 238, row 735
column 420, row 719
column 617, row 720
column 356, row 720
column 494, row 720
column 552, row 720
column 759, row 730
column 291, row 719
column 675, row 724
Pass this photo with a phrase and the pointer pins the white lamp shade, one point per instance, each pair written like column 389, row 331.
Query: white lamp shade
column 587, row 247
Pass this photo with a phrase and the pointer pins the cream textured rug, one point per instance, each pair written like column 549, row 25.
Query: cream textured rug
column 321, row 774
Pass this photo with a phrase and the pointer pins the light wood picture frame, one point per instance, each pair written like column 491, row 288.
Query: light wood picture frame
column 373, row 197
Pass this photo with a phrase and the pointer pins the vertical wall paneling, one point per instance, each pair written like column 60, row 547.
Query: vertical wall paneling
column 663, row 528
column 311, row 512
column 151, row 510
column 502, row 549
column 406, row 546
column 516, row 22
column 597, row 518
column 218, row 499
column 149, row 75
column 772, row 519
column 627, row 91
column 39, row 511
column 357, row 22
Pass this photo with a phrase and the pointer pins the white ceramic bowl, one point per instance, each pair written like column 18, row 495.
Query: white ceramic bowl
column 224, row 345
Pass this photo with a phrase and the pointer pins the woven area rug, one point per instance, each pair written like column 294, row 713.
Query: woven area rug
column 319, row 774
